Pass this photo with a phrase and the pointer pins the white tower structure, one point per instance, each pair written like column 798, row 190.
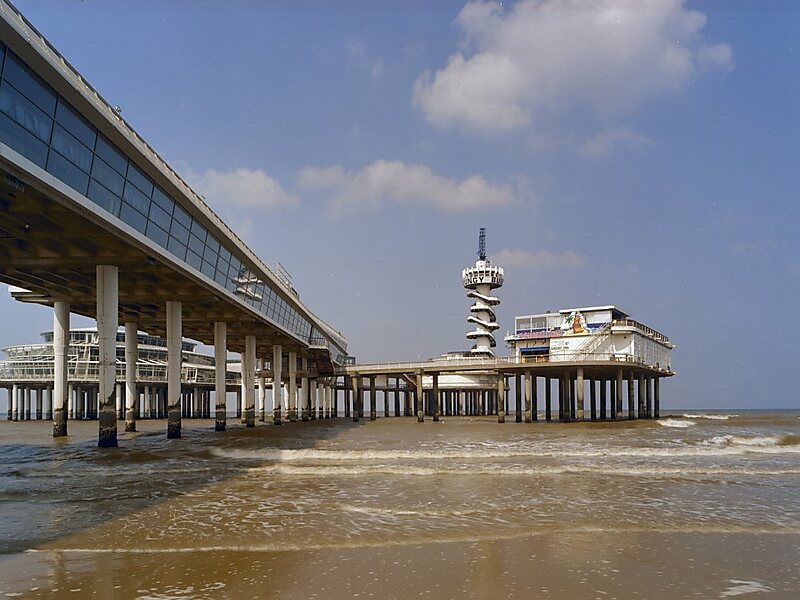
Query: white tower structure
column 480, row 280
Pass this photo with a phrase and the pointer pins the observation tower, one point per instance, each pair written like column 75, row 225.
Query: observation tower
column 479, row 281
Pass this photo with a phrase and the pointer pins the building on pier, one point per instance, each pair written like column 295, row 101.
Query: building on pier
column 588, row 334
column 30, row 368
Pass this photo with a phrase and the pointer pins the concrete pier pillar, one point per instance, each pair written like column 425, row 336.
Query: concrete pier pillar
column 61, row 389
column 26, row 411
column 292, row 402
column 603, row 387
column 518, row 397
column 119, row 401
column 548, row 399
column 220, row 369
column 373, row 400
column 261, row 398
column 355, row 383
column 420, row 399
column 107, row 324
column 305, row 399
column 618, row 389
column 314, row 394
column 174, row 358
column 386, row 399
column 612, row 399
column 38, row 404
column 592, row 399
column 346, row 389
column 528, row 391
column 249, row 390
column 277, row 390
column 580, row 389
column 501, row 399
column 561, row 395
column 656, row 398
column 131, row 394
column 649, row 397
column 631, row 409
column 15, row 402
column 436, row 399
column 397, row 396
column 641, row 396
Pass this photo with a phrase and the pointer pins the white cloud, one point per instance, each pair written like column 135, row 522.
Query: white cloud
column 241, row 188
column 606, row 143
column 395, row 182
column 538, row 58
column 540, row 261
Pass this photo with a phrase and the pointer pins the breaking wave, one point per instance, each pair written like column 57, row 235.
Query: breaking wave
column 710, row 417
column 676, row 423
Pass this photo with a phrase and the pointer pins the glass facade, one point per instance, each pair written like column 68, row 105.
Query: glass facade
column 43, row 127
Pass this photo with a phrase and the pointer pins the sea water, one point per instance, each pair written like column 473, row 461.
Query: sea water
column 694, row 505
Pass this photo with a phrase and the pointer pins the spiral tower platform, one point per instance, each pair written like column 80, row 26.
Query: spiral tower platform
column 479, row 281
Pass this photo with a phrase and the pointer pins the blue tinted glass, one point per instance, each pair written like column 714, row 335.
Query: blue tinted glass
column 136, row 198
column 159, row 217
column 194, row 260
column 196, row 245
column 107, row 176
column 133, row 217
column 64, row 170
column 72, row 149
column 23, row 142
column 225, row 254
column 182, row 217
column 199, row 230
column 25, row 112
column 210, row 256
column 158, row 235
column 75, row 124
column 109, row 153
column 164, row 201
column 212, row 244
column 176, row 248
column 102, row 197
column 27, row 82
column 220, row 277
column 140, row 180
column 208, row 270
column 179, row 232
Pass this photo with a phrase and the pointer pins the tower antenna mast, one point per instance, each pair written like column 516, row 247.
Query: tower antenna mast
column 482, row 243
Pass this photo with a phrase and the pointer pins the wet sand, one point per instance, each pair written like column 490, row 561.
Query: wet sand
column 392, row 509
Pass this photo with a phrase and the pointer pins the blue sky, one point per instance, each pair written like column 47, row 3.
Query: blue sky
column 640, row 156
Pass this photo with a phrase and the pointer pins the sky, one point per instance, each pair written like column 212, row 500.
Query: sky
column 641, row 154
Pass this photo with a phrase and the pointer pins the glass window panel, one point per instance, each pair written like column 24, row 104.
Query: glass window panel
column 107, row 176
column 176, row 248
column 164, row 201
column 140, row 180
column 64, row 170
column 230, row 284
column 212, row 244
column 72, row 149
column 159, row 217
column 182, row 217
column 14, row 135
column 109, row 153
column 194, row 260
column 225, row 254
column 27, row 82
column 158, row 235
column 220, row 277
column 208, row 269
column 25, row 112
column 196, row 244
column 104, row 198
column 133, row 217
column 70, row 120
column 179, row 232
column 136, row 198
column 210, row 256
column 199, row 230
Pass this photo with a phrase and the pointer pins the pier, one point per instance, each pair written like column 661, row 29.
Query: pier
column 96, row 223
